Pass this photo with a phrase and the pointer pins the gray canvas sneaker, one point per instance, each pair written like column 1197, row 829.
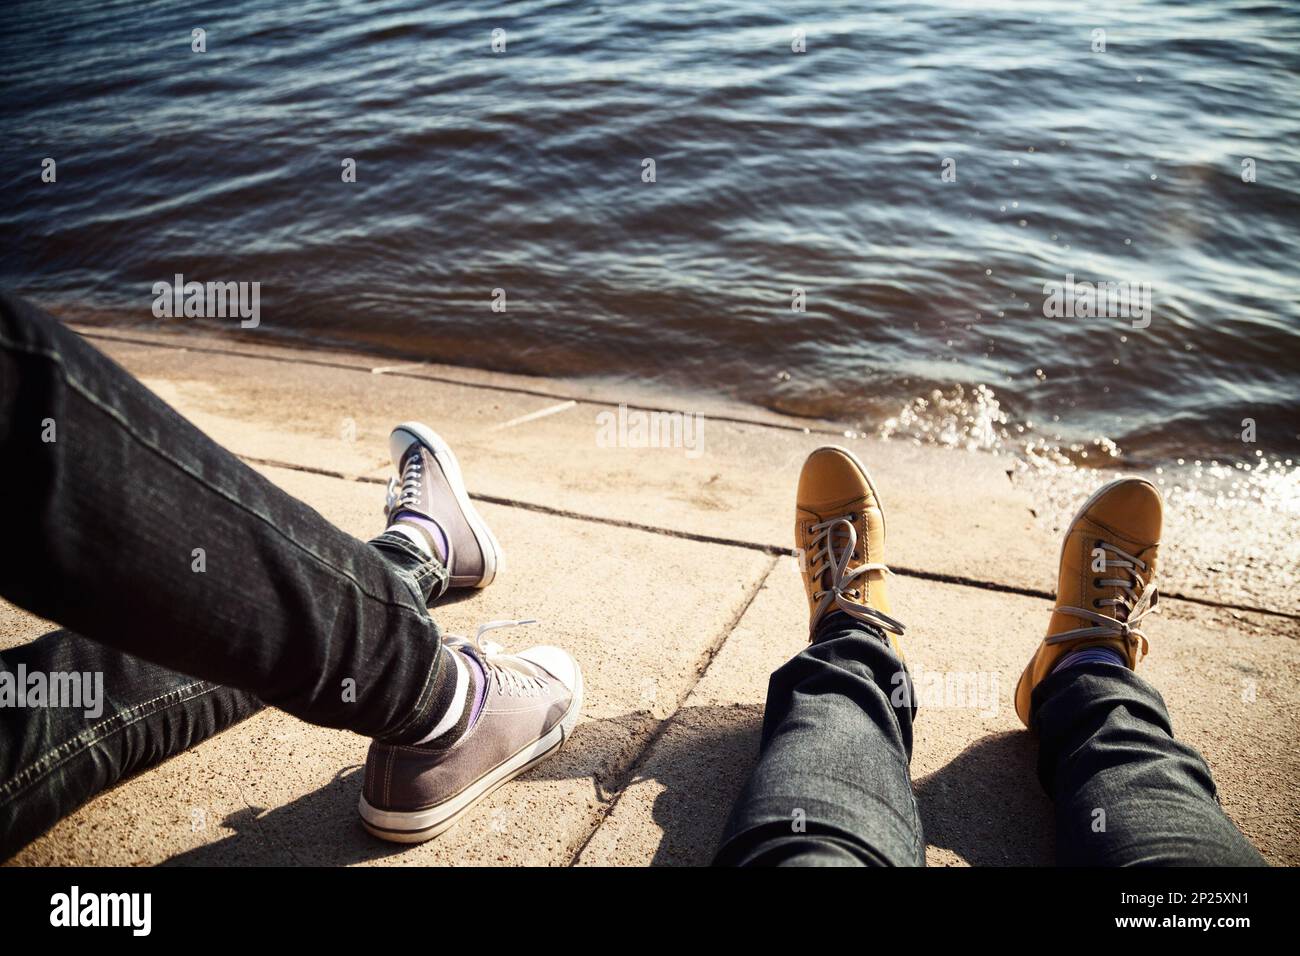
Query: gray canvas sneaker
column 431, row 485
column 530, row 706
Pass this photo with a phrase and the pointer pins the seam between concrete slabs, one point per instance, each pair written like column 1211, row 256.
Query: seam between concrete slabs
column 939, row 577
column 446, row 380
column 772, row 549
column 701, row 668
column 624, row 780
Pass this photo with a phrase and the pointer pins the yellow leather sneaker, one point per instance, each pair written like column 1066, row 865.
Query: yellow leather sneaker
column 1107, row 581
column 839, row 531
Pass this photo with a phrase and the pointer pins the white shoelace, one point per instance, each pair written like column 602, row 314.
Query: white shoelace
column 510, row 680
column 407, row 494
column 1134, row 604
column 848, row 599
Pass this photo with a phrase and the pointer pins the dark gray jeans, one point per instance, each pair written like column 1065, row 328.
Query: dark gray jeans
column 105, row 495
column 832, row 785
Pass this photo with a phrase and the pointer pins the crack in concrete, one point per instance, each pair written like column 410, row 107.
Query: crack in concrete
column 939, row 577
column 628, row 776
column 771, row 549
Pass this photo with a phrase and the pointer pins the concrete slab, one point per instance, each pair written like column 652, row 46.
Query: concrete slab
column 261, row 347
column 18, row 627
column 1232, row 687
column 646, row 611
column 738, row 487
column 970, row 516
column 641, row 612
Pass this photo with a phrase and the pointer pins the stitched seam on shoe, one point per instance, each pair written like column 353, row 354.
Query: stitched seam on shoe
column 1085, row 569
column 1127, row 539
column 388, row 780
column 503, row 761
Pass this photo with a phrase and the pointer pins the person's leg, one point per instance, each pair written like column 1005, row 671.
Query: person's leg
column 135, row 529
column 1127, row 793
column 128, row 525
column 832, row 785
column 127, row 715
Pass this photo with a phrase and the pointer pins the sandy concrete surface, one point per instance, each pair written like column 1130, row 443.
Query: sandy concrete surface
column 665, row 571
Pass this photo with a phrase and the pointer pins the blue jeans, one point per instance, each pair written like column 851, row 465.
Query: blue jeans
column 197, row 589
column 832, row 785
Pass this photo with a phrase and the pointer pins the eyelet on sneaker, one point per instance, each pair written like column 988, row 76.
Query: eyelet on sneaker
column 1096, row 582
column 1095, row 604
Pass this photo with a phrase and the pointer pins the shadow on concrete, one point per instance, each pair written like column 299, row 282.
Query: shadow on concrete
column 322, row 828
column 318, row 829
column 987, row 806
column 702, row 764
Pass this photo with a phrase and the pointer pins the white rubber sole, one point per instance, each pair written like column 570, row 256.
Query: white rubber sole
column 494, row 558
column 421, row 825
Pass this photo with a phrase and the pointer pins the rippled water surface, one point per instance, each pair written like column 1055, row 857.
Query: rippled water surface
column 775, row 171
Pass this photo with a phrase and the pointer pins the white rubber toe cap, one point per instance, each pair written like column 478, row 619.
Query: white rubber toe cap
column 399, row 440
column 558, row 663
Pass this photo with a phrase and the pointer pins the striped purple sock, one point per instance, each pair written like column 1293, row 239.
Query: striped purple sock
column 434, row 538
column 459, row 701
column 451, row 701
column 1090, row 655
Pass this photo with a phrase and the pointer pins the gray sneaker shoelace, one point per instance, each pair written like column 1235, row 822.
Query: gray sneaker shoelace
column 841, row 593
column 407, row 493
column 1132, row 603
column 511, row 679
